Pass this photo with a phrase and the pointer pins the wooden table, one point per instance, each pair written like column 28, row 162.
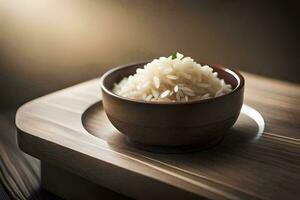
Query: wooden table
column 83, row 156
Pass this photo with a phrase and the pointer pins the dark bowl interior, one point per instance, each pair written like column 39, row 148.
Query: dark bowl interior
column 172, row 124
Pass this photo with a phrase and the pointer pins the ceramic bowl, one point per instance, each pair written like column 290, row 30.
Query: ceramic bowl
column 172, row 124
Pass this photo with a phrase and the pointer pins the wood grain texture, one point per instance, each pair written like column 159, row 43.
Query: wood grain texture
column 70, row 130
column 17, row 173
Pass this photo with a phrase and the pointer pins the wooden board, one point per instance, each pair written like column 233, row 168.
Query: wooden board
column 70, row 130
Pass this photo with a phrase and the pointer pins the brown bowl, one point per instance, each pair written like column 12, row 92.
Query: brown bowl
column 172, row 124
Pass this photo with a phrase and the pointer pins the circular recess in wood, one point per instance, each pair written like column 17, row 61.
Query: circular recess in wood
column 249, row 127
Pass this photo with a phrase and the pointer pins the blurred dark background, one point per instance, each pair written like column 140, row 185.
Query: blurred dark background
column 46, row 45
column 50, row 44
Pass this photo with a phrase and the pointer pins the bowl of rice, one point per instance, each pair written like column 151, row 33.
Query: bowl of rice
column 172, row 101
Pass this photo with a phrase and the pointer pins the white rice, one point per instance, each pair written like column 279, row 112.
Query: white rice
column 173, row 79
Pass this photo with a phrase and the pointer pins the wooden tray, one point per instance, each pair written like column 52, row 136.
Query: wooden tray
column 68, row 130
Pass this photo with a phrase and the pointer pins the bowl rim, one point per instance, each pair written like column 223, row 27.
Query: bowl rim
column 237, row 75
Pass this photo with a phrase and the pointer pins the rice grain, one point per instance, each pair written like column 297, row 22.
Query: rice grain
column 172, row 80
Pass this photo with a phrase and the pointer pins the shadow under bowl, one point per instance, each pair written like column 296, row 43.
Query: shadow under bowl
column 172, row 124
